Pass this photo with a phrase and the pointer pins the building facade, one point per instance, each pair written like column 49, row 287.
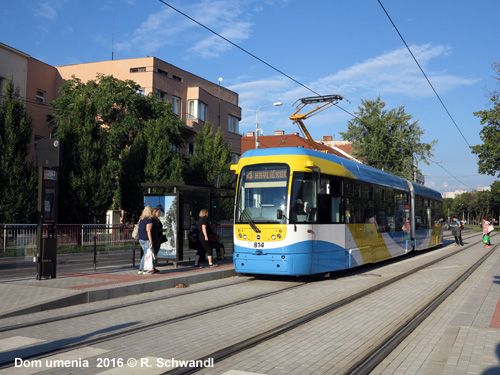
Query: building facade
column 194, row 99
column 37, row 86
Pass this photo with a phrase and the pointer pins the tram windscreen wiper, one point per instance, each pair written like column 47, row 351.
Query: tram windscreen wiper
column 250, row 221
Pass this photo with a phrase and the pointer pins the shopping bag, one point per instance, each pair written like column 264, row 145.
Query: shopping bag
column 486, row 239
column 149, row 260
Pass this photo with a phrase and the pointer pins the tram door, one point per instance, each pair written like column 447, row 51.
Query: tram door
column 304, row 211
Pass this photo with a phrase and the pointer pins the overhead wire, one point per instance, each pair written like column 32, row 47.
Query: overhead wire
column 313, row 91
column 425, row 75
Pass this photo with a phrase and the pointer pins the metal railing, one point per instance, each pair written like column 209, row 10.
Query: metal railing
column 22, row 237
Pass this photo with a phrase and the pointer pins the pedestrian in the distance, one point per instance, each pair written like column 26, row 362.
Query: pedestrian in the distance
column 457, row 232
column 487, row 229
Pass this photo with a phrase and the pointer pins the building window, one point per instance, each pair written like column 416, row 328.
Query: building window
column 162, row 95
column 40, row 96
column 141, row 91
column 233, row 124
column 197, row 109
column 176, row 78
column 137, row 70
column 176, row 105
column 162, row 72
column 190, row 150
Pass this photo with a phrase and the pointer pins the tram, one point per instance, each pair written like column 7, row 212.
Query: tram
column 303, row 212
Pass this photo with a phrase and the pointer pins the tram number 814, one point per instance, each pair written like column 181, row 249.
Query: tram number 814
column 258, row 245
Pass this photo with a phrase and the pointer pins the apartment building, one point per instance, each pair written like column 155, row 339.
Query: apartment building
column 194, row 99
column 37, row 87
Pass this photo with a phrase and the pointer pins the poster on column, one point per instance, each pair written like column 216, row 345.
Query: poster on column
column 168, row 206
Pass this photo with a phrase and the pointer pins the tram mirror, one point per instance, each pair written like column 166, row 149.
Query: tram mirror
column 279, row 214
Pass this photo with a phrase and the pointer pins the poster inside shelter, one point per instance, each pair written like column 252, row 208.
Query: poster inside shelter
column 167, row 204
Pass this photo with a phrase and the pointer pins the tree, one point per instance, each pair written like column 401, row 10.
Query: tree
column 210, row 165
column 489, row 152
column 18, row 178
column 113, row 137
column 387, row 140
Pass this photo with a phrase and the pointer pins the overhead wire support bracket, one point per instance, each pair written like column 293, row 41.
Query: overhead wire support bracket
column 329, row 100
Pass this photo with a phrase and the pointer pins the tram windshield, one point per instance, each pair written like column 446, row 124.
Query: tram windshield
column 262, row 192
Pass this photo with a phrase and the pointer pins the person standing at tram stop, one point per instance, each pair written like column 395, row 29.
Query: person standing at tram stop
column 487, row 229
column 145, row 236
column 457, row 232
column 156, row 234
column 204, row 232
column 215, row 242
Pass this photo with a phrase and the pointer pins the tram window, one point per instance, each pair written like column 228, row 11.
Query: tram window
column 304, row 198
column 336, row 210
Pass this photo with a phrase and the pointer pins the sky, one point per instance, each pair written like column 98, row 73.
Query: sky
column 299, row 49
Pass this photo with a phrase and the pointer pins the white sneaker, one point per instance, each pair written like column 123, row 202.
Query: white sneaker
column 140, row 272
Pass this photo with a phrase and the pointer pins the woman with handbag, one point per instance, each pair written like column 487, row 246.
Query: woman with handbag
column 487, row 229
column 145, row 236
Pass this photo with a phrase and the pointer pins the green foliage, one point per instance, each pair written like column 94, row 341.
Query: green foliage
column 18, row 179
column 387, row 140
column 212, row 160
column 113, row 139
column 212, row 157
column 489, row 152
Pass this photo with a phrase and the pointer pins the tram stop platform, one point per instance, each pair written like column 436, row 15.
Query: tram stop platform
column 462, row 336
column 21, row 296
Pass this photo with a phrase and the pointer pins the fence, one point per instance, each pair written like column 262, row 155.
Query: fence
column 22, row 237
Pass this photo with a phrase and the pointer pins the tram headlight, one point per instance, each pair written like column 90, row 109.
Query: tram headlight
column 279, row 236
column 240, row 235
column 273, row 237
column 245, row 237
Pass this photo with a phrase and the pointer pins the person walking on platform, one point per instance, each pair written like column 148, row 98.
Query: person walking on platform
column 204, row 232
column 457, row 232
column 487, row 229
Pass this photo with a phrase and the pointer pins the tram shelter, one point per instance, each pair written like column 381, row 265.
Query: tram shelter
column 179, row 205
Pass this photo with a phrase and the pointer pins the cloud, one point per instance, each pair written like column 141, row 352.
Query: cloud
column 46, row 11
column 394, row 73
column 167, row 27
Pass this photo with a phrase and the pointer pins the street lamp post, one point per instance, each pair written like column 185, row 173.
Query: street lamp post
column 277, row 104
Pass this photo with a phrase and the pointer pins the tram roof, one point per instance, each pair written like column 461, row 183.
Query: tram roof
column 358, row 170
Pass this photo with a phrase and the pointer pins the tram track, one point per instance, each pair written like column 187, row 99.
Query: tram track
column 127, row 331
column 234, row 348
column 380, row 351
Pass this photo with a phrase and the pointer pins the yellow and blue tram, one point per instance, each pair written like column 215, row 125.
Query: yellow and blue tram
column 304, row 212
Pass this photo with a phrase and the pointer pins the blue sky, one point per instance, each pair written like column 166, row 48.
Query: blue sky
column 332, row 47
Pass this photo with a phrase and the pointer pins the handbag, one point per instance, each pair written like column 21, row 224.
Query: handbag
column 163, row 238
column 135, row 232
column 486, row 239
column 491, row 228
column 149, row 260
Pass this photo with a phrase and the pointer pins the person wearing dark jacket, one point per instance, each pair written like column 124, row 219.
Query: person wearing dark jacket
column 204, row 233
